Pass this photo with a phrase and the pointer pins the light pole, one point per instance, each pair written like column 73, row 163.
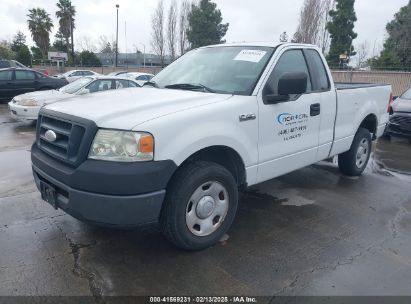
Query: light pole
column 117, row 6
column 144, row 54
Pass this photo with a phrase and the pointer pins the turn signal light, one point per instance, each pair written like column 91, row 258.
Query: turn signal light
column 146, row 144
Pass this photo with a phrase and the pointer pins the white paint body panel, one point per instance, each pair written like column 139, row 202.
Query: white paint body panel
column 185, row 122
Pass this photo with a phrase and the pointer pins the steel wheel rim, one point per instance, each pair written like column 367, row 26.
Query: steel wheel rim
column 207, row 208
column 362, row 153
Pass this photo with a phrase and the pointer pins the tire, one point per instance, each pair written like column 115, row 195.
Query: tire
column 354, row 161
column 195, row 217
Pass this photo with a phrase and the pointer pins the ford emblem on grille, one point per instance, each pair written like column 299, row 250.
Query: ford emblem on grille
column 50, row 135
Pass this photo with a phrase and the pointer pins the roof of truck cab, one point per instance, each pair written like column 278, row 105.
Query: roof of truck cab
column 261, row 44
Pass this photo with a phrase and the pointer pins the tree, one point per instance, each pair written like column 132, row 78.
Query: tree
column 89, row 59
column 37, row 54
column 23, row 55
column 397, row 48
column 363, row 51
column 157, row 36
column 5, row 50
column 205, row 25
column 40, row 26
column 172, row 29
column 19, row 41
column 185, row 9
column 312, row 27
column 325, row 41
column 341, row 28
column 309, row 28
column 66, row 13
column 86, row 43
column 59, row 43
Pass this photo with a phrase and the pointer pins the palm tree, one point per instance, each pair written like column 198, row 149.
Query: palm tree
column 40, row 26
column 66, row 14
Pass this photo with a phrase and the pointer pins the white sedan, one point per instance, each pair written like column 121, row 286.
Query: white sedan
column 73, row 75
column 26, row 107
column 141, row 78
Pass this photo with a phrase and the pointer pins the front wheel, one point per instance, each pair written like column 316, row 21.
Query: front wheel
column 354, row 161
column 200, row 205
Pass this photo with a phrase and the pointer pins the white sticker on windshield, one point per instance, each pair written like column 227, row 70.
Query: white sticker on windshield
column 250, row 55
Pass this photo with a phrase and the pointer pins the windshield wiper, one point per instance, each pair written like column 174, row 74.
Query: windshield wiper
column 151, row 83
column 190, row 87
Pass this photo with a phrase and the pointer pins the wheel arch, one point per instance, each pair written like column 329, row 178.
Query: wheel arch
column 224, row 156
column 370, row 122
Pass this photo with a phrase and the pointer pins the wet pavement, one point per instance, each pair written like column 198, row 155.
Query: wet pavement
column 311, row 232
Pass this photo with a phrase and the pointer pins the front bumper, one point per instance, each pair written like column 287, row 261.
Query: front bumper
column 106, row 193
column 23, row 113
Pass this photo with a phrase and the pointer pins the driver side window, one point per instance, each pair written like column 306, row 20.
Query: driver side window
column 292, row 61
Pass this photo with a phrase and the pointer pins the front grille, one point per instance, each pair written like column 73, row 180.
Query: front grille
column 73, row 136
column 404, row 122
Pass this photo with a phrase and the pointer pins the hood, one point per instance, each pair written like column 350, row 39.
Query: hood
column 44, row 97
column 402, row 105
column 127, row 108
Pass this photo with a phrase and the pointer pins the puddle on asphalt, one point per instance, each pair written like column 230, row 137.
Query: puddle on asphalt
column 291, row 197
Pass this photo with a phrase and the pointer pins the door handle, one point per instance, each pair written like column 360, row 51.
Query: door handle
column 315, row 109
column 246, row 117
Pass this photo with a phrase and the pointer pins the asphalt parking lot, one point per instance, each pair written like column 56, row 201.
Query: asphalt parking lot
column 311, row 232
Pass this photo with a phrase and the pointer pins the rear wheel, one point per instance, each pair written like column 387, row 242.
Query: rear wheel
column 354, row 161
column 200, row 205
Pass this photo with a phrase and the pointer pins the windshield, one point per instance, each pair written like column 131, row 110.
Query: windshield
column 406, row 95
column 73, row 87
column 227, row 69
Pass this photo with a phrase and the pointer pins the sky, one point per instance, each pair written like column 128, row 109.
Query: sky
column 258, row 20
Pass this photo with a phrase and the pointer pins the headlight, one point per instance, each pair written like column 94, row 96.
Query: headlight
column 30, row 102
column 122, row 146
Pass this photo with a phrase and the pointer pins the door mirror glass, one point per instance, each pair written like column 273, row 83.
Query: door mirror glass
column 288, row 84
column 293, row 84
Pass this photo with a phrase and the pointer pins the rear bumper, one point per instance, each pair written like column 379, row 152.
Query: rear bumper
column 106, row 193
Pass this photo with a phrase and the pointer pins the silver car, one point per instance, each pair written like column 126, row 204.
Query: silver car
column 400, row 120
column 26, row 107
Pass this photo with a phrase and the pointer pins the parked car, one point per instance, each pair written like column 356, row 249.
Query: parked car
column 141, row 78
column 178, row 152
column 15, row 64
column 73, row 75
column 26, row 107
column 119, row 73
column 400, row 120
column 11, row 64
column 17, row 81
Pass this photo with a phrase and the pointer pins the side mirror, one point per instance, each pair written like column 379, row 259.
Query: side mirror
column 83, row 91
column 289, row 84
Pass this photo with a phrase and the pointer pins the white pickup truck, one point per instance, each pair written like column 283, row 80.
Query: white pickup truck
column 219, row 119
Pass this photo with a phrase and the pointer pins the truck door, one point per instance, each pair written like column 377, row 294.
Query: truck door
column 288, row 130
column 322, row 83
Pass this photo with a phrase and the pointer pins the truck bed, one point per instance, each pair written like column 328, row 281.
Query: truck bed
column 349, row 85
